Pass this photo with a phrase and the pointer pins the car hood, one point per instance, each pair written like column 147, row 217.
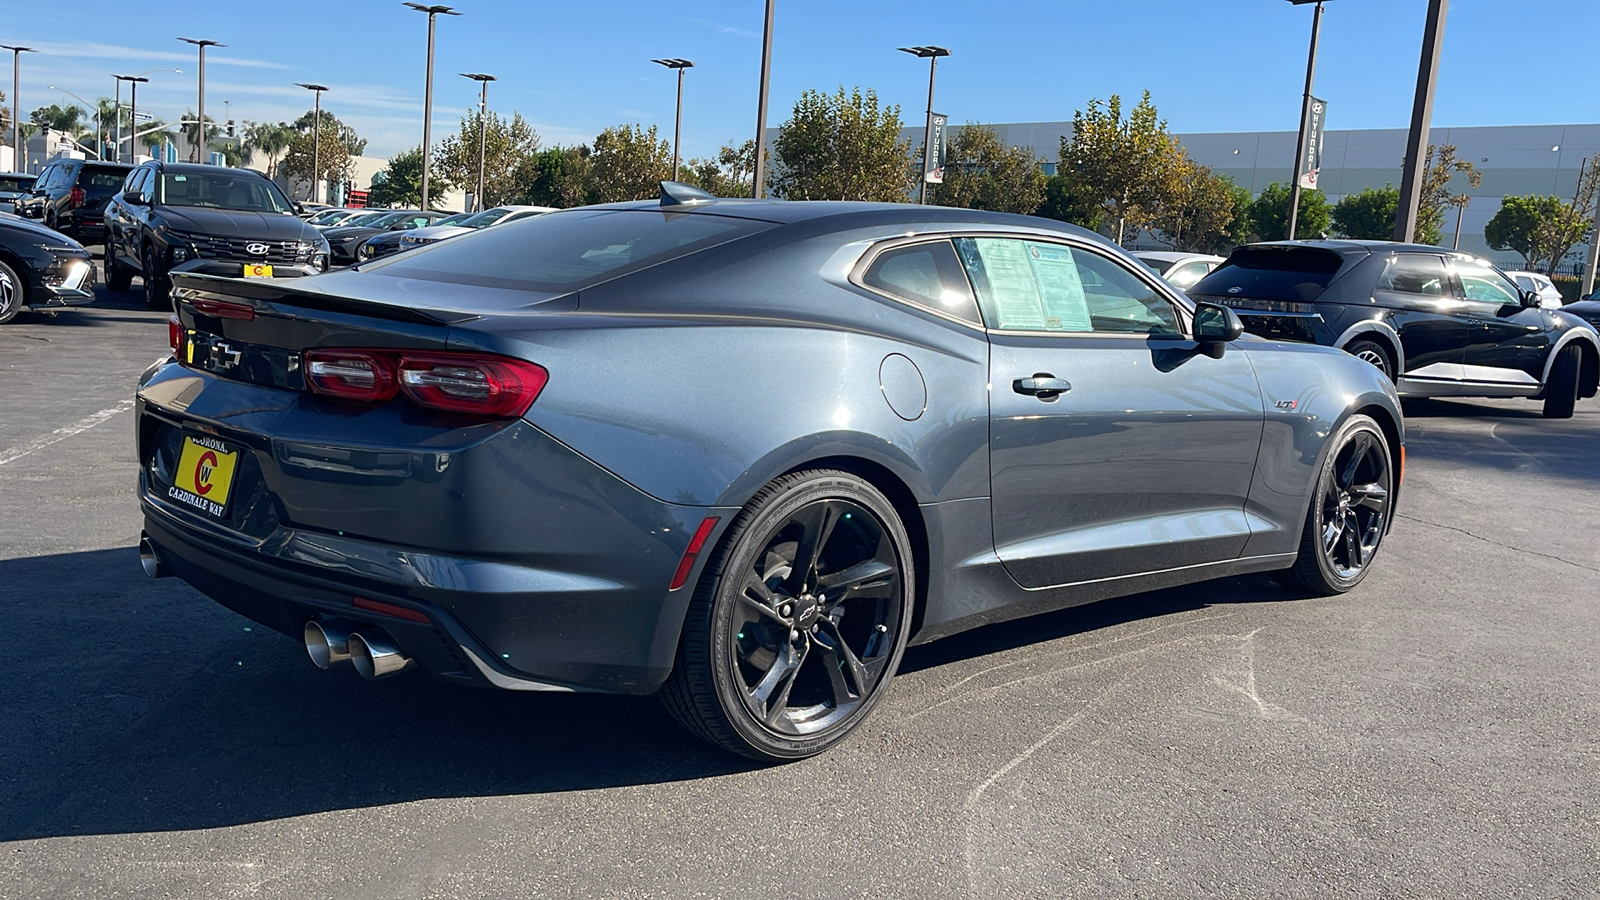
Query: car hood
column 334, row 234
column 438, row 232
column 34, row 231
column 236, row 223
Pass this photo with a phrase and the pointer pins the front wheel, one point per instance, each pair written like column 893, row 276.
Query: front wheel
column 157, row 293
column 1349, row 514
column 1561, row 391
column 799, row 620
column 119, row 278
column 11, row 293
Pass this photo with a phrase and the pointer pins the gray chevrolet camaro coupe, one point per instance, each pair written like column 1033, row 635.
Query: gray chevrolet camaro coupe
column 737, row 452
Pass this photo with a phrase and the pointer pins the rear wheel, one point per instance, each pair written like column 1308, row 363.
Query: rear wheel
column 157, row 294
column 799, row 620
column 1349, row 512
column 1561, row 391
column 1374, row 353
column 11, row 293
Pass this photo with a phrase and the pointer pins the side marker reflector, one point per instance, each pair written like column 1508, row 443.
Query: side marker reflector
column 696, row 543
column 388, row 609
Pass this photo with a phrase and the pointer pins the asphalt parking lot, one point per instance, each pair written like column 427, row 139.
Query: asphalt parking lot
column 1433, row 734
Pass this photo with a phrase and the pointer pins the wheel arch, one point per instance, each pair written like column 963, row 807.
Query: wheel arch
column 1380, row 331
column 1589, row 364
column 1392, row 432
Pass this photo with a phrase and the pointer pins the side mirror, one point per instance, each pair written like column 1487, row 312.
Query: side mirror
column 135, row 198
column 1215, row 324
column 1531, row 300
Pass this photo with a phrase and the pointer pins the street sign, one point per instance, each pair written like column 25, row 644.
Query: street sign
column 142, row 117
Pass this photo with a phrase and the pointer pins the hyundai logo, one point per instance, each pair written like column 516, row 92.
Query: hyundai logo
column 258, row 248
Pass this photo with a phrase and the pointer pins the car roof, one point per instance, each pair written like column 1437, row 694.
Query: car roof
column 17, row 175
column 1350, row 247
column 185, row 168
column 1172, row 255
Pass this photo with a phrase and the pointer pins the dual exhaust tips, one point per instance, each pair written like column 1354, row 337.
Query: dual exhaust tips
column 372, row 651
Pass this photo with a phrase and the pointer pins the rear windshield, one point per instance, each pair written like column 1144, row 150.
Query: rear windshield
column 16, row 182
column 564, row 251
column 98, row 181
column 1290, row 274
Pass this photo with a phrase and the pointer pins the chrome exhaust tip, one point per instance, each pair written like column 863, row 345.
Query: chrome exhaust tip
column 327, row 642
column 376, row 655
column 150, row 560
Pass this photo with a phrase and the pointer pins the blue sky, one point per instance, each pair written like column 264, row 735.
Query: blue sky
column 575, row 68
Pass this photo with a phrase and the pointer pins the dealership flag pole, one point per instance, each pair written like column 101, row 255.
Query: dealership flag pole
column 1305, row 118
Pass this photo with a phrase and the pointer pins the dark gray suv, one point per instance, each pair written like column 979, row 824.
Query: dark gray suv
column 1439, row 323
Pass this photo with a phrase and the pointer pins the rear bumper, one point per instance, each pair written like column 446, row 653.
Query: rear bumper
column 535, row 568
column 233, row 269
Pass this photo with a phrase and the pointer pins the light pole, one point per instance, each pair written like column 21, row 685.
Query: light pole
column 483, row 125
column 677, row 121
column 133, row 126
column 931, row 54
column 316, row 140
column 760, row 180
column 200, row 114
column 427, row 96
column 1405, row 218
column 1305, row 115
column 133, row 115
column 19, row 156
column 97, row 153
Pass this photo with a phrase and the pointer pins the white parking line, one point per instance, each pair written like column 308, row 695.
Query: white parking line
column 61, row 434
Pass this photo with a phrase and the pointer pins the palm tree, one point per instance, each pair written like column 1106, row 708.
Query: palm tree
column 191, row 134
column 271, row 139
column 156, row 136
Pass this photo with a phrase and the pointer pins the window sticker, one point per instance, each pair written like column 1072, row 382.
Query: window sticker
column 1061, row 295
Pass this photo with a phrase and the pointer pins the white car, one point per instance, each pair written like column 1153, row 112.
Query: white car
column 329, row 218
column 498, row 215
column 1181, row 270
column 1549, row 295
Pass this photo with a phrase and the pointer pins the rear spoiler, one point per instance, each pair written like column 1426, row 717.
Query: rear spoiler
column 262, row 292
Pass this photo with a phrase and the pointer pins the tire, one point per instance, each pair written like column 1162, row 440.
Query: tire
column 1376, row 354
column 13, row 293
column 119, row 278
column 157, row 293
column 759, row 670
column 1561, row 391
column 1349, row 512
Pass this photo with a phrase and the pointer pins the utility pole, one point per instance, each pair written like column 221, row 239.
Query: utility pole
column 1405, row 220
column 931, row 54
column 427, row 97
column 316, row 140
column 133, row 116
column 1305, row 115
column 202, row 153
column 759, row 188
column 483, row 127
column 19, row 155
column 677, row 121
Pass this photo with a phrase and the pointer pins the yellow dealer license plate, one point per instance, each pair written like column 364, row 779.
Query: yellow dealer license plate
column 254, row 270
column 204, row 475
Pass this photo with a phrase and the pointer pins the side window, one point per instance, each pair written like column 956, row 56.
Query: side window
column 1040, row 286
column 46, row 178
column 1481, row 283
column 926, row 274
column 1185, row 276
column 128, row 183
column 1416, row 273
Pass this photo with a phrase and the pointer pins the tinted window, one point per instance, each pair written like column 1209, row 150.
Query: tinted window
column 564, row 251
column 1039, row 286
column 1416, row 273
column 1480, row 282
column 221, row 190
column 1186, row 275
column 1292, row 274
column 99, row 182
column 16, row 183
column 925, row 274
column 1158, row 266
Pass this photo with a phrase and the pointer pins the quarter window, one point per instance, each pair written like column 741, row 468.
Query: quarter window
column 1416, row 273
column 926, row 274
column 1041, row 286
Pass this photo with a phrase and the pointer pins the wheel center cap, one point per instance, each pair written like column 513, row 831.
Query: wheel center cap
column 806, row 611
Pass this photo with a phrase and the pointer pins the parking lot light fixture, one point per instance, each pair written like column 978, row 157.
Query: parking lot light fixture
column 759, row 182
column 18, row 154
column 200, row 114
column 316, row 139
column 1305, row 114
column 427, row 95
column 133, row 116
column 677, row 120
column 483, row 125
column 931, row 54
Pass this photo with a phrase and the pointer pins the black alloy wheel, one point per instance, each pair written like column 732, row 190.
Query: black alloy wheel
column 157, row 294
column 119, row 278
column 10, row 293
column 799, row 621
column 1374, row 354
column 1561, row 390
column 1350, row 511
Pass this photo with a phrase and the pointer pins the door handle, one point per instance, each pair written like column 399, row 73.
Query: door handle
column 1042, row 385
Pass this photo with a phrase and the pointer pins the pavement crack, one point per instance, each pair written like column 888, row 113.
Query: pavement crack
column 1512, row 547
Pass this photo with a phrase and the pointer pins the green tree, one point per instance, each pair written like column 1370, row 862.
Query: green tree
column 66, row 119
column 730, row 174
column 982, row 173
column 155, row 134
column 354, row 144
column 191, row 134
column 329, row 156
column 628, row 162
column 1367, row 215
column 1440, row 167
column 1062, row 202
column 1540, row 229
column 1201, row 211
column 842, row 147
column 270, row 139
column 1123, row 165
column 235, row 154
column 555, row 176
column 508, row 143
column 400, row 183
column 1270, row 213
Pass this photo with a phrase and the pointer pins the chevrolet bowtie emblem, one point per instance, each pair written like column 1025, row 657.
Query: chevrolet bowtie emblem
column 223, row 356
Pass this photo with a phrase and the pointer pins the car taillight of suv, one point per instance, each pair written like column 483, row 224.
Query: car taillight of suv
column 77, row 198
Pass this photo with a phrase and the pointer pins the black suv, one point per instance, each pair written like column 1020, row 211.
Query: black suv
column 209, row 219
column 1438, row 322
column 70, row 196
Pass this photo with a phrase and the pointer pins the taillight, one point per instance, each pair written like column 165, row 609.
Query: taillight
column 472, row 383
column 77, row 197
column 175, row 336
column 222, row 309
column 350, row 374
